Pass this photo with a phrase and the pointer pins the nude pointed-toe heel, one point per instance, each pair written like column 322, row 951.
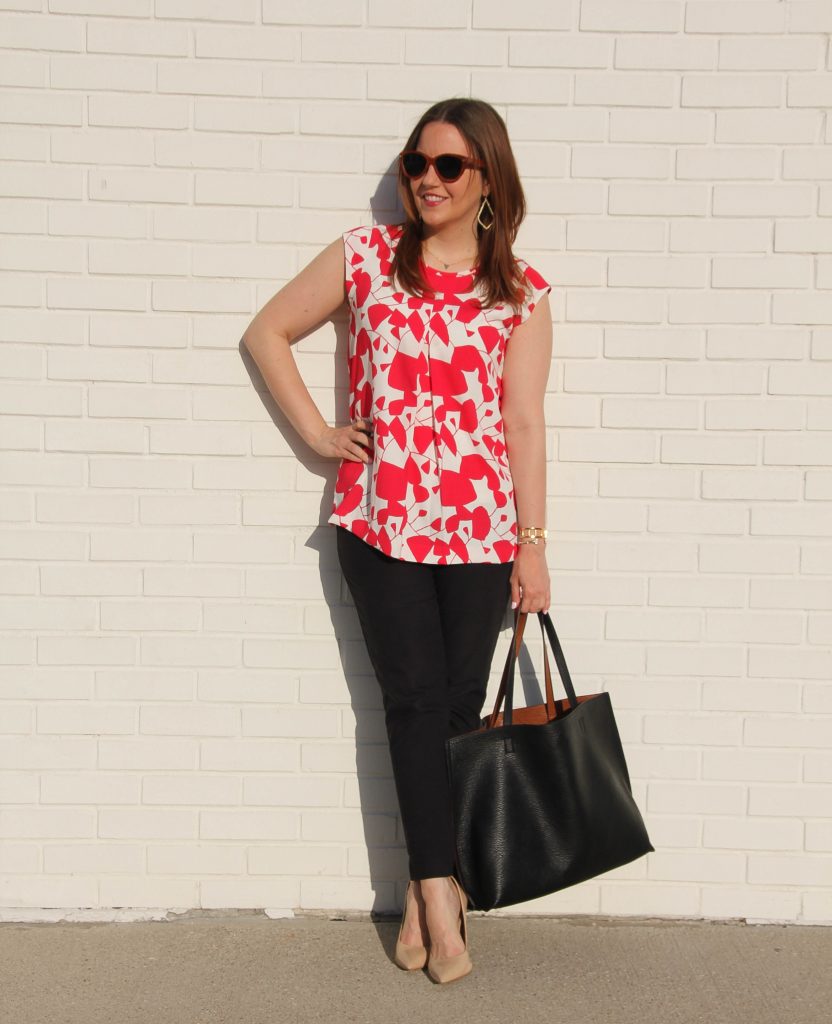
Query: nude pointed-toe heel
column 409, row 958
column 450, row 968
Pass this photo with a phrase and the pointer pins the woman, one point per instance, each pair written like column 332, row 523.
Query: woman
column 440, row 496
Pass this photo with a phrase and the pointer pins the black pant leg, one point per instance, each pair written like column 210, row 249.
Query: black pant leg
column 473, row 600
column 398, row 610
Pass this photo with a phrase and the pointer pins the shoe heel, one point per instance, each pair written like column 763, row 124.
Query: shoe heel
column 441, row 970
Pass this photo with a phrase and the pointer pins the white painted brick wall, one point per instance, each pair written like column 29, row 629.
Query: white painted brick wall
column 188, row 717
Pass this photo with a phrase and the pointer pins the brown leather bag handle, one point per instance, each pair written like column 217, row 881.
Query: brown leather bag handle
column 512, row 656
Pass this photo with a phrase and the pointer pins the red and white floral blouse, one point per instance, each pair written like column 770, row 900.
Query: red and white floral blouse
column 427, row 372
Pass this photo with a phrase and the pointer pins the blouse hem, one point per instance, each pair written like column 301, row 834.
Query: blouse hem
column 429, row 559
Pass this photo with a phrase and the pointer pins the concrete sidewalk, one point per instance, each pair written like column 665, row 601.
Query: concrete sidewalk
column 247, row 969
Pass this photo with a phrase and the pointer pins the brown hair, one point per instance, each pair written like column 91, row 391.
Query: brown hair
column 485, row 133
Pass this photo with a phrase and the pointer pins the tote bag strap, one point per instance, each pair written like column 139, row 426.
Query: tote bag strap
column 513, row 654
column 560, row 659
column 506, row 689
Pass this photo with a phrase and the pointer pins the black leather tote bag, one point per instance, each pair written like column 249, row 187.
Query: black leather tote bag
column 541, row 795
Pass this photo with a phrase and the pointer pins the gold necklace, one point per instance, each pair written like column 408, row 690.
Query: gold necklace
column 440, row 260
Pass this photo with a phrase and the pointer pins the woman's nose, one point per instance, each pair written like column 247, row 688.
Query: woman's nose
column 430, row 177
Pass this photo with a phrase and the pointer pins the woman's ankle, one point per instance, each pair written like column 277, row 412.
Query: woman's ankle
column 436, row 883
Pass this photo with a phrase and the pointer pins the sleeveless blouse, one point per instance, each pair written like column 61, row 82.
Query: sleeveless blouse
column 427, row 372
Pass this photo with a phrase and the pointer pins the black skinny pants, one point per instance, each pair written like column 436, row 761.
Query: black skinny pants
column 431, row 632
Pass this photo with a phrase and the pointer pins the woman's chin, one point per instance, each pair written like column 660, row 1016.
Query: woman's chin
column 438, row 217
column 432, row 214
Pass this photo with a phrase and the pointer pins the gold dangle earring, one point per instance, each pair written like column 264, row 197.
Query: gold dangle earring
column 485, row 204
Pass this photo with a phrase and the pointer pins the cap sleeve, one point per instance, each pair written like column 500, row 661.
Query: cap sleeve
column 353, row 257
column 368, row 252
column 536, row 288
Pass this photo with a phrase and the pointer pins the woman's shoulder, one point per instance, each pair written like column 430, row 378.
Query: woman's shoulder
column 532, row 275
column 536, row 288
column 373, row 235
column 369, row 248
column 368, row 251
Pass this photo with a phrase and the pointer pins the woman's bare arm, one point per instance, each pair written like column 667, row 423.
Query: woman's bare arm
column 308, row 299
column 525, row 373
